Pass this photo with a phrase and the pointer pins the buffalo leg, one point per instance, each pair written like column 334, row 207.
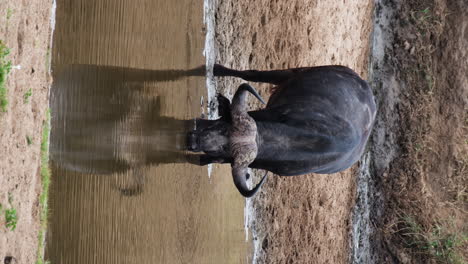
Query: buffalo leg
column 275, row 77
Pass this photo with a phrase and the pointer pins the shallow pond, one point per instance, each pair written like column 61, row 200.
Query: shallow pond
column 128, row 77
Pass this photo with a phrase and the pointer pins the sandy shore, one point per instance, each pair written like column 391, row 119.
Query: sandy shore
column 25, row 30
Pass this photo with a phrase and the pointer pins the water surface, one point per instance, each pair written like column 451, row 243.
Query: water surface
column 123, row 191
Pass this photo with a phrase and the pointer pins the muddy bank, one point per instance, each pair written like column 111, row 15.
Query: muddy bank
column 25, row 29
column 304, row 219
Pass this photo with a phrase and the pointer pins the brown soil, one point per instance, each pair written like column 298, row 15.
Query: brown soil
column 304, row 219
column 25, row 29
column 426, row 198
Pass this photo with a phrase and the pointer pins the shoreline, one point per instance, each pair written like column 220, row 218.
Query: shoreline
column 45, row 169
column 369, row 200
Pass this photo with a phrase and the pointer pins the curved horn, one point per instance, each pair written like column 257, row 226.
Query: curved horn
column 240, row 180
column 247, row 87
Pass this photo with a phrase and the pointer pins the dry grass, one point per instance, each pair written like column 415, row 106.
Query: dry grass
column 436, row 242
column 427, row 212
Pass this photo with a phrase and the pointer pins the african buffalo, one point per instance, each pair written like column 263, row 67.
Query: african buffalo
column 317, row 120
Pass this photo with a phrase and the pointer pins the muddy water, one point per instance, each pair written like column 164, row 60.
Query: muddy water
column 123, row 189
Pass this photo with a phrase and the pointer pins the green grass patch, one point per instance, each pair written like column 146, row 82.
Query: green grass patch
column 9, row 13
column 11, row 218
column 45, row 177
column 5, row 68
column 436, row 243
column 27, row 96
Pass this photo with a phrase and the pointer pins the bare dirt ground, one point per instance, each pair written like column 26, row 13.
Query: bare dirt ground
column 25, row 30
column 303, row 219
column 426, row 200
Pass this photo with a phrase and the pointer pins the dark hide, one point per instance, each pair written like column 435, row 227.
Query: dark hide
column 317, row 120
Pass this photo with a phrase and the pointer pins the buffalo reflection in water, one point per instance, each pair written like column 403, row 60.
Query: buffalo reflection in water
column 107, row 120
